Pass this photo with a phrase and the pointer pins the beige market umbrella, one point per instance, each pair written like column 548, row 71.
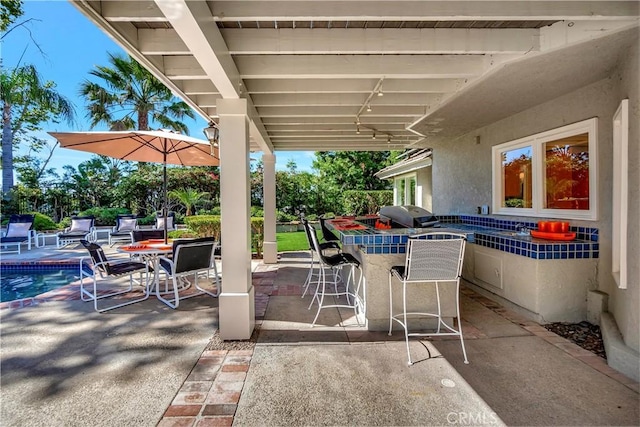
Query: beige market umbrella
column 161, row 146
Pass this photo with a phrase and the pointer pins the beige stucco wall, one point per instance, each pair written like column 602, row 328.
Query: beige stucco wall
column 423, row 180
column 462, row 172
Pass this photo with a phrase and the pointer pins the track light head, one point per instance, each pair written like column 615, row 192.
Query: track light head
column 374, row 135
column 368, row 108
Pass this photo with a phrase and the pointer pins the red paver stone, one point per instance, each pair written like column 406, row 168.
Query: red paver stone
column 223, row 397
column 183, row 410
column 235, row 368
column 177, row 422
column 220, row 421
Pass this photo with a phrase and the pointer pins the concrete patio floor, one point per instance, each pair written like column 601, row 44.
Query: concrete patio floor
column 145, row 365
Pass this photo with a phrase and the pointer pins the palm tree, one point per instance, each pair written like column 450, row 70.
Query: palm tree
column 188, row 197
column 132, row 98
column 26, row 101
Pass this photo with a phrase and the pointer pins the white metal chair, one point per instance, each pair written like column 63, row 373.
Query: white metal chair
column 433, row 258
column 82, row 228
column 191, row 257
column 19, row 230
column 335, row 263
column 122, row 232
column 104, row 268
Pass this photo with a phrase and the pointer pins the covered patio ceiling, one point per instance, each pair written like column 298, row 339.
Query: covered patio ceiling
column 367, row 75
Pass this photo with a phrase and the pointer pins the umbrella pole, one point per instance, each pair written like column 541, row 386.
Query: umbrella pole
column 164, row 210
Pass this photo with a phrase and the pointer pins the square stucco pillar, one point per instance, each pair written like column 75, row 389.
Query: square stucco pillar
column 270, row 249
column 236, row 301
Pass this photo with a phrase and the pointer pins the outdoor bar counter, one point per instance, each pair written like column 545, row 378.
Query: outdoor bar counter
column 546, row 280
column 378, row 250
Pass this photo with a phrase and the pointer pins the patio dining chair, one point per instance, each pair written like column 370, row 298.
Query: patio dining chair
column 327, row 234
column 82, row 228
column 432, row 259
column 125, row 224
column 19, row 230
column 104, row 268
column 191, row 258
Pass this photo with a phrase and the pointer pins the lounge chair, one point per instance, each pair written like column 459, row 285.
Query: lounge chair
column 82, row 228
column 171, row 221
column 110, row 269
column 122, row 232
column 19, row 230
column 191, row 257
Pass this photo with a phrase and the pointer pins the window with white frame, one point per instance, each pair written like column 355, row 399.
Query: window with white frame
column 550, row 174
column 404, row 190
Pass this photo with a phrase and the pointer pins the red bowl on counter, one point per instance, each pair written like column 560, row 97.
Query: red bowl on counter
column 555, row 227
column 543, row 226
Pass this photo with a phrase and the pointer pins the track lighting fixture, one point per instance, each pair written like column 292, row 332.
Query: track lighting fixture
column 368, row 108
column 374, row 135
column 358, row 128
column 388, row 139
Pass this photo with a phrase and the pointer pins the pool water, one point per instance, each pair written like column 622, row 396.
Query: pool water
column 24, row 284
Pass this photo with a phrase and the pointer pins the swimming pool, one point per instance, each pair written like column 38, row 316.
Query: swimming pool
column 20, row 281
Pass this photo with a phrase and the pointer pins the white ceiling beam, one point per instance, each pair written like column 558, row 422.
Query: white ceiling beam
column 192, row 22
column 333, row 111
column 182, row 68
column 345, row 10
column 328, row 99
column 379, row 41
column 327, row 85
column 366, row 144
column 161, row 41
column 297, row 121
column 197, row 87
column 360, row 66
column 133, row 10
column 125, row 35
column 335, row 127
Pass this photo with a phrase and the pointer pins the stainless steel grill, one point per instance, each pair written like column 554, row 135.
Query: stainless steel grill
column 409, row 216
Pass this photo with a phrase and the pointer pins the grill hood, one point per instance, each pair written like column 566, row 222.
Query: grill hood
column 409, row 216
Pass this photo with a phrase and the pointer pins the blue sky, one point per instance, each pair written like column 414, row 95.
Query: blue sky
column 70, row 46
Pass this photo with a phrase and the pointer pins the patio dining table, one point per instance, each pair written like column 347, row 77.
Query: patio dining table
column 149, row 250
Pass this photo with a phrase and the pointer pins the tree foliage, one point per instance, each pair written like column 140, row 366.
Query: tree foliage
column 130, row 97
column 27, row 101
column 10, row 10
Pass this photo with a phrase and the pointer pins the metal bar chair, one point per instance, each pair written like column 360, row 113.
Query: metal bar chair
column 335, row 263
column 313, row 275
column 432, row 258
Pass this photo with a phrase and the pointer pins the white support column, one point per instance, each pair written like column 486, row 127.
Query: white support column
column 270, row 249
column 236, row 302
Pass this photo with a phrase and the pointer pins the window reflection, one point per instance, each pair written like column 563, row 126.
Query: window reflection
column 516, row 178
column 566, row 173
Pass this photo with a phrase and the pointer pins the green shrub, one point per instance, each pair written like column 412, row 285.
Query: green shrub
column 204, row 225
column 105, row 216
column 285, row 217
column 257, row 235
column 42, row 222
column 257, row 212
column 357, row 202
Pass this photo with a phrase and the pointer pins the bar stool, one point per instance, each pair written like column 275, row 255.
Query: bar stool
column 432, row 258
column 335, row 263
column 313, row 276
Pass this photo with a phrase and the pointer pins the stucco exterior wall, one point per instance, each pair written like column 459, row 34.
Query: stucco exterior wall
column 624, row 303
column 423, row 180
column 462, row 172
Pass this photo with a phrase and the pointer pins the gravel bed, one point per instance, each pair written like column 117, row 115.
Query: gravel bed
column 584, row 334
